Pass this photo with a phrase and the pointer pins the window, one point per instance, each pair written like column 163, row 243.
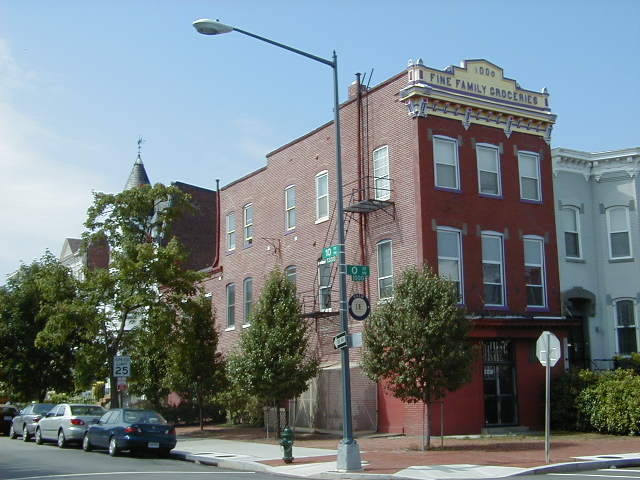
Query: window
column 534, row 271
column 618, row 227
column 290, row 207
column 488, row 170
column 324, row 286
column 449, row 258
column 247, row 287
column 231, row 231
column 626, row 327
column 385, row 270
column 570, row 217
column 493, row 269
column 290, row 273
column 231, row 305
column 529, row 167
column 247, row 215
column 322, row 196
column 445, row 155
column 381, row 173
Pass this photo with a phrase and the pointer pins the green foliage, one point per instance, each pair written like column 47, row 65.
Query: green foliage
column 612, row 404
column 30, row 297
column 194, row 368
column 418, row 342
column 628, row 362
column 113, row 302
column 149, row 358
column 565, row 414
column 54, row 397
column 273, row 361
column 189, row 413
column 242, row 408
column 97, row 390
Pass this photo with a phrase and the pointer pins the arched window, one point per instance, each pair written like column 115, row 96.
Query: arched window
column 231, row 306
column 619, row 232
column 247, row 295
column 450, row 258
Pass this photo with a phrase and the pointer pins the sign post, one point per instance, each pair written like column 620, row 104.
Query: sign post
column 121, row 370
column 548, row 352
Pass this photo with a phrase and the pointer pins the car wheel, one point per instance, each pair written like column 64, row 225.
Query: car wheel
column 86, row 444
column 114, row 451
column 38, row 436
column 12, row 433
column 62, row 442
column 25, row 434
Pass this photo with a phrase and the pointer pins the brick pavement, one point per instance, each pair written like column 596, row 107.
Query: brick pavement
column 387, row 454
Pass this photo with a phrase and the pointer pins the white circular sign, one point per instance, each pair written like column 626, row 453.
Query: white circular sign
column 359, row 307
column 548, row 341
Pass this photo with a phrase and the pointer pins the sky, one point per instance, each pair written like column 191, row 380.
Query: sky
column 81, row 81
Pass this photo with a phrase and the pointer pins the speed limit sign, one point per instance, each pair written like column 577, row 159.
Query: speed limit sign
column 121, row 366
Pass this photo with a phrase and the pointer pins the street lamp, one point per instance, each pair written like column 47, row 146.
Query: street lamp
column 348, row 450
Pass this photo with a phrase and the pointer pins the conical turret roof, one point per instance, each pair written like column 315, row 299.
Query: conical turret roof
column 138, row 175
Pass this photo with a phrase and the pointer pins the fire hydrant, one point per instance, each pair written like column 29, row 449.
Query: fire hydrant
column 286, row 441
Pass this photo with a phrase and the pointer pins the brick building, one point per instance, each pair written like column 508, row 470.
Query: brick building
column 450, row 167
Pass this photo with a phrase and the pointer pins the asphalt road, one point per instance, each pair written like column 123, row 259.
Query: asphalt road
column 28, row 461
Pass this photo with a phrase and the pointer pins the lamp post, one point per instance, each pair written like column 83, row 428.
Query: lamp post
column 348, row 450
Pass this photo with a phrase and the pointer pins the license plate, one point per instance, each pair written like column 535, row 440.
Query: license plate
column 154, row 445
column 8, row 418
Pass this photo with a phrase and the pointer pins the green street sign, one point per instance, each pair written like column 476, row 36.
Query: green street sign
column 330, row 253
column 359, row 273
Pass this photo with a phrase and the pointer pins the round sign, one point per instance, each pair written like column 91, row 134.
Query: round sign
column 359, row 307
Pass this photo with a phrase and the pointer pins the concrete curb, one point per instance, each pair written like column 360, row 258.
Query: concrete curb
column 580, row 466
column 244, row 465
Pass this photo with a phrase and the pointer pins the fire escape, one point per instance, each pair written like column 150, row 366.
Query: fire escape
column 371, row 192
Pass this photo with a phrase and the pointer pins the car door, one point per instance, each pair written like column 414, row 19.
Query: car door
column 47, row 423
column 97, row 432
column 56, row 420
column 18, row 422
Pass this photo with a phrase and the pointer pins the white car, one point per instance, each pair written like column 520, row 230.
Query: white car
column 67, row 423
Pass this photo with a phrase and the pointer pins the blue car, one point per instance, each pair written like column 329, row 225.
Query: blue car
column 131, row 429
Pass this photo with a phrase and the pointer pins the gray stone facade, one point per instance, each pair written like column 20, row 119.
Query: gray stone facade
column 598, row 231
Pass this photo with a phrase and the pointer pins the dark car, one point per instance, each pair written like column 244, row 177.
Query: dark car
column 7, row 413
column 131, row 429
column 25, row 423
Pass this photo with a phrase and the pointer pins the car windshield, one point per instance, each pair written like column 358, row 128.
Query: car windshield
column 42, row 407
column 87, row 410
column 143, row 416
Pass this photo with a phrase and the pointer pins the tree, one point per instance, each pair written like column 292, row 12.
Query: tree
column 27, row 369
column 194, row 368
column 273, row 361
column 418, row 343
column 149, row 354
column 114, row 302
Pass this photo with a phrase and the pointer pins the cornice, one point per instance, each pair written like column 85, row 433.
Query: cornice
column 596, row 165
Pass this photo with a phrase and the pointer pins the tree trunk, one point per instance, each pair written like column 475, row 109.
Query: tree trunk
column 277, row 404
column 426, row 439
column 113, row 393
column 199, row 395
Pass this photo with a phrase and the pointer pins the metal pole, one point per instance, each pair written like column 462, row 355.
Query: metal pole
column 348, row 450
column 547, row 406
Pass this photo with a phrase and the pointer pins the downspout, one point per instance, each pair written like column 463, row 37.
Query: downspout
column 216, row 257
column 361, row 218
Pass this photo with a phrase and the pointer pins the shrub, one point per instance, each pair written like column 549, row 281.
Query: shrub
column 565, row 414
column 613, row 404
column 187, row 413
column 632, row 362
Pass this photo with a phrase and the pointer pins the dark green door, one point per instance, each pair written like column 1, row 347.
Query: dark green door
column 500, row 402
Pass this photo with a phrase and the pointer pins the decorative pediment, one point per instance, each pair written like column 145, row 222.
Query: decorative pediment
column 477, row 92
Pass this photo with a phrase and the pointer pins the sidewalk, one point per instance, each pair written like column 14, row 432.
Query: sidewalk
column 385, row 456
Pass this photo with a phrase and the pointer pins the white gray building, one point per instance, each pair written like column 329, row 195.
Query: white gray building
column 598, row 228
